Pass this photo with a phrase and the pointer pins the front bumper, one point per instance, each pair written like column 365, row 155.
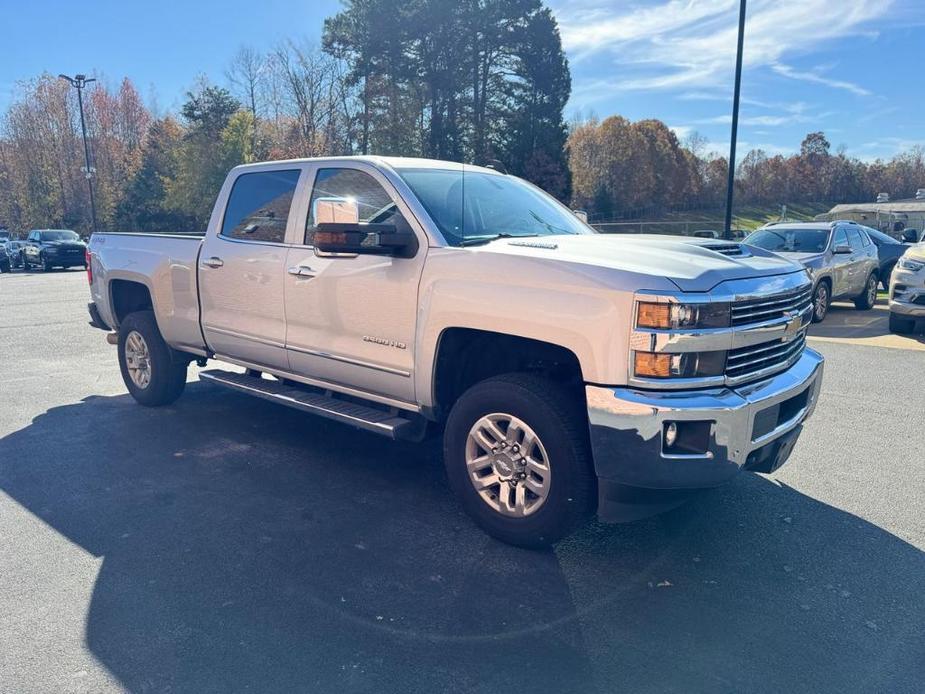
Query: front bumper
column 907, row 293
column 753, row 426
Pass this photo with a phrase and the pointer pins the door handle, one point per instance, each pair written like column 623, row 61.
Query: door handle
column 213, row 262
column 301, row 271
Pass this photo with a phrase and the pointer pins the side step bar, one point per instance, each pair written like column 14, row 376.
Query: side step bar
column 388, row 423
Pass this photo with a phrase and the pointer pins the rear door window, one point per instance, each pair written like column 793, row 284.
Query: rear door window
column 259, row 204
column 855, row 240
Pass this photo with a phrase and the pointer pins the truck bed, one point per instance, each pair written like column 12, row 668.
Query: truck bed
column 165, row 264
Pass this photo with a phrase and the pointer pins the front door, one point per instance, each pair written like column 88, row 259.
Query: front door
column 242, row 270
column 351, row 319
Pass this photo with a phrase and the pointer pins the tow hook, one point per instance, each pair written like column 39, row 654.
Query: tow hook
column 112, row 338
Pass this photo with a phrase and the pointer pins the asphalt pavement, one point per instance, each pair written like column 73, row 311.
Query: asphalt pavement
column 226, row 544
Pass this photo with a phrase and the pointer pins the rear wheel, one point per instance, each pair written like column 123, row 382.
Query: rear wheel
column 900, row 325
column 517, row 456
column 868, row 297
column 821, row 300
column 149, row 367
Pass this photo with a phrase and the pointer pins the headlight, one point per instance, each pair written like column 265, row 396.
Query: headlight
column 686, row 365
column 676, row 316
column 911, row 265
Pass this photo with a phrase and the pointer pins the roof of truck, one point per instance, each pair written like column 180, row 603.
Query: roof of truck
column 393, row 162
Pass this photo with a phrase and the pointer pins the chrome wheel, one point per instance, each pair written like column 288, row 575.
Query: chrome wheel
column 507, row 464
column 137, row 359
column 871, row 290
column 821, row 301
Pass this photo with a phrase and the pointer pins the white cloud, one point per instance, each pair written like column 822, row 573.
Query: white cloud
column 690, row 44
column 815, row 77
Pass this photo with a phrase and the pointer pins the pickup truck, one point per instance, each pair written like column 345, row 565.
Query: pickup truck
column 567, row 371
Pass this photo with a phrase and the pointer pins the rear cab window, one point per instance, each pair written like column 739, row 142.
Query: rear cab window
column 259, row 206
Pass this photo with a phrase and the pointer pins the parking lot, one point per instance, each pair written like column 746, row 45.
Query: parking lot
column 225, row 543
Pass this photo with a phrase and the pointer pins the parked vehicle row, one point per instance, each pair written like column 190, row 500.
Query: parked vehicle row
column 45, row 249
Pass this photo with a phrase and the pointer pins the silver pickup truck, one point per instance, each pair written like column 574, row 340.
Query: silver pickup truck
column 567, row 371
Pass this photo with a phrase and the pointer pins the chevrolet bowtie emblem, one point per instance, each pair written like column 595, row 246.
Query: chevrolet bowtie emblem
column 792, row 328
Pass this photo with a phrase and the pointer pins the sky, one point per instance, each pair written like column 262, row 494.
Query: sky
column 851, row 68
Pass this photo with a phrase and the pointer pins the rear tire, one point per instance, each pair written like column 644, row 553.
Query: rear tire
column 545, row 426
column 900, row 325
column 868, row 297
column 149, row 367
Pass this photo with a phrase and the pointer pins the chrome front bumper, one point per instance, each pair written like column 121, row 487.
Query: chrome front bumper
column 906, row 288
column 627, row 424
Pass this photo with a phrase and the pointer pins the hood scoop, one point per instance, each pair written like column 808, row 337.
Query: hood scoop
column 733, row 250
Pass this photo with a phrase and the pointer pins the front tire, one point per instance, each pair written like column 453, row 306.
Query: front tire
column 900, row 325
column 868, row 297
column 518, row 458
column 149, row 369
column 46, row 266
column 821, row 300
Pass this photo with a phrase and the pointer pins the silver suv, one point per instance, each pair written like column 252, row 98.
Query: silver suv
column 840, row 258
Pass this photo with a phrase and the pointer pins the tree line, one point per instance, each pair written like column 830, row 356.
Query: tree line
column 631, row 170
column 480, row 81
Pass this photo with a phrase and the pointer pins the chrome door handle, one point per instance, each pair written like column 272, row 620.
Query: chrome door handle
column 213, row 262
column 301, row 271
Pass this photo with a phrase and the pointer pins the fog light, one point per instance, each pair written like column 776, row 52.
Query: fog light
column 671, row 434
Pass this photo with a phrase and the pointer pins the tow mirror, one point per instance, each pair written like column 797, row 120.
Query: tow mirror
column 842, row 249
column 910, row 236
column 365, row 239
column 581, row 214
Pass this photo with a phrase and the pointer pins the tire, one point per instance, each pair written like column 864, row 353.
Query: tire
column 558, row 420
column 46, row 266
column 868, row 297
column 900, row 325
column 822, row 297
column 166, row 377
column 885, row 276
column 25, row 264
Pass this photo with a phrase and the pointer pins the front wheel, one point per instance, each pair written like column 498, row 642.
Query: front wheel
column 900, row 325
column 518, row 458
column 150, row 372
column 46, row 266
column 868, row 297
column 821, row 299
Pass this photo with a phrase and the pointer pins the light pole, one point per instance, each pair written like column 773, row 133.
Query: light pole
column 79, row 82
column 730, row 182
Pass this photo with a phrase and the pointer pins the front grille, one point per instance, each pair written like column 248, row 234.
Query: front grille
column 769, row 308
column 742, row 362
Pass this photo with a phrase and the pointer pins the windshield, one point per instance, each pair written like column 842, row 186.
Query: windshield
column 62, row 235
column 792, row 240
column 476, row 206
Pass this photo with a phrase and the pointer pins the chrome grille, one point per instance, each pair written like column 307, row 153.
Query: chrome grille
column 769, row 308
column 752, row 361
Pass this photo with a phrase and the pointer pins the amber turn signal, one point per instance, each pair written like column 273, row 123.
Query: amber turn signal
column 651, row 315
column 652, row 365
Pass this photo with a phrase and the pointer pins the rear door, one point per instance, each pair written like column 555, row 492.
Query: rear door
column 242, row 267
column 841, row 265
column 860, row 260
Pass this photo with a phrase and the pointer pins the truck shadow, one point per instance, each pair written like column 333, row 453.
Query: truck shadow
column 249, row 547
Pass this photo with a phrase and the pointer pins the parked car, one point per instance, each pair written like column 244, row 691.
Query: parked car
column 16, row 252
column 568, row 370
column 49, row 248
column 907, row 290
column 6, row 260
column 840, row 257
column 889, row 250
column 705, row 234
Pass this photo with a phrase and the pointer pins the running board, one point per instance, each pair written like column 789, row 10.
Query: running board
column 388, row 423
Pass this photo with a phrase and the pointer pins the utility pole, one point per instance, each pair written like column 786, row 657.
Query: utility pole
column 730, row 183
column 79, row 82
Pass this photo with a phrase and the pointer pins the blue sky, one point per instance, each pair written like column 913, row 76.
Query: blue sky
column 852, row 68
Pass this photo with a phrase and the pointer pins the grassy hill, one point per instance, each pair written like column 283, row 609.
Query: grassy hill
column 746, row 217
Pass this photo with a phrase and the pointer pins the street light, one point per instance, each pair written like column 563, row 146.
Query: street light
column 79, row 82
column 730, row 182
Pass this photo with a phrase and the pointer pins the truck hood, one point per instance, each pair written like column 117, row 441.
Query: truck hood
column 692, row 264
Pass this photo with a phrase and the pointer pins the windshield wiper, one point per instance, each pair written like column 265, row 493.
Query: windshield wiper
column 487, row 238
